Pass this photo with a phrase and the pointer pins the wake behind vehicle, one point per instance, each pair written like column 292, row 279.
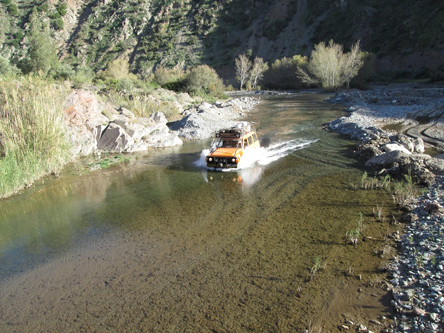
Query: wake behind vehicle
column 230, row 145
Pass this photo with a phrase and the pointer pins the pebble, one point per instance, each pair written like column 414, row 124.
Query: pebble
column 418, row 282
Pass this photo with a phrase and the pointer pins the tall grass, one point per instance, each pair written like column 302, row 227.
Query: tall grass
column 33, row 139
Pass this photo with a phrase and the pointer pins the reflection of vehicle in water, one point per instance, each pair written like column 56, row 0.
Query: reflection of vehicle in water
column 230, row 145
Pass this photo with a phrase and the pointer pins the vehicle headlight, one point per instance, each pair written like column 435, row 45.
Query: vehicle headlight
column 210, row 159
column 233, row 160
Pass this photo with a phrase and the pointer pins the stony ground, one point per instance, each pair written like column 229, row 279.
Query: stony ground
column 417, row 271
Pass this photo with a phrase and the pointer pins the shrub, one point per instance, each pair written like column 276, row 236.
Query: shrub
column 61, row 8
column 164, row 76
column 282, row 73
column 331, row 68
column 366, row 71
column 63, row 72
column 57, row 24
column 117, row 69
column 437, row 74
column 203, row 81
column 13, row 9
column 6, row 68
column 83, row 74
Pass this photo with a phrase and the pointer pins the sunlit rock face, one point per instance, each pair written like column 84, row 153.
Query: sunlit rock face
column 95, row 126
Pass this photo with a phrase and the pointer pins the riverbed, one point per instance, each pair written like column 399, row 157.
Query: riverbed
column 160, row 244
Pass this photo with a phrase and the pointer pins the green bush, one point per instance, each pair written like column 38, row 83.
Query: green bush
column 83, row 74
column 163, row 75
column 203, row 81
column 63, row 72
column 7, row 69
column 61, row 8
column 282, row 73
column 361, row 81
column 12, row 9
column 174, row 86
column 43, row 7
column 57, row 24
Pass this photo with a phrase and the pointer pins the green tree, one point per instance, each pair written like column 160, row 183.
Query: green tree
column 331, row 68
column 42, row 53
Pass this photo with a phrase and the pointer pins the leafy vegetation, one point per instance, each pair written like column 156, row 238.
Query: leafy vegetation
column 33, row 133
column 331, row 68
column 188, row 33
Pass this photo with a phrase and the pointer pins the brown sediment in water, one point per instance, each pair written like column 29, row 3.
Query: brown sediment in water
column 245, row 267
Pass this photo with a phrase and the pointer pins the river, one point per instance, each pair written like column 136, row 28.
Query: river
column 160, row 244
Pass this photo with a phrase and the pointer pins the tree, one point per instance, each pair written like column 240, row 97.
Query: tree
column 257, row 72
column 352, row 62
column 42, row 53
column 331, row 68
column 242, row 65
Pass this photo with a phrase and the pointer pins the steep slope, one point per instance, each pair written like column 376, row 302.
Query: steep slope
column 190, row 32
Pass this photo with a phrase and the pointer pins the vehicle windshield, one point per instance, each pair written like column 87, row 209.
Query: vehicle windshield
column 229, row 143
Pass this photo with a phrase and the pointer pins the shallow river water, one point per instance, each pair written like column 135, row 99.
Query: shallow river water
column 159, row 244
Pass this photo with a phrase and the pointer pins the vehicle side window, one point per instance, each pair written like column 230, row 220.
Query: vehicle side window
column 245, row 143
column 254, row 137
column 250, row 140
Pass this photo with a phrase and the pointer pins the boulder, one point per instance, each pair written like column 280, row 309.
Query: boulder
column 389, row 147
column 367, row 151
column 137, row 128
column 385, row 160
column 115, row 139
column 436, row 165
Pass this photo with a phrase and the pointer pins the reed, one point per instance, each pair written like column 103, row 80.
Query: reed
column 33, row 139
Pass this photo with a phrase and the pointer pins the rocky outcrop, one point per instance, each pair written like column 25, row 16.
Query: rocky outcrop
column 202, row 121
column 95, row 126
column 405, row 107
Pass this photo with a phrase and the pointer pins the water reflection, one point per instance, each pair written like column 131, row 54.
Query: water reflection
column 245, row 177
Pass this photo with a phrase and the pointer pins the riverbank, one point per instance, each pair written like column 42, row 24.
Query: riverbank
column 391, row 122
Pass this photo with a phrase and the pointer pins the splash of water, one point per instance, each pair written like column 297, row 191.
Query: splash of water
column 262, row 156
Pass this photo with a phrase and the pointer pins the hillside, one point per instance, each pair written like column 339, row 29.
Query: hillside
column 406, row 35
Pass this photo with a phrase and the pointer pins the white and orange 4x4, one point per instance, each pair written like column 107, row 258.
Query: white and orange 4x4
column 230, row 145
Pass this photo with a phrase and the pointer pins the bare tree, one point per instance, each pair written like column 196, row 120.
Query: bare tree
column 351, row 63
column 257, row 72
column 242, row 65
